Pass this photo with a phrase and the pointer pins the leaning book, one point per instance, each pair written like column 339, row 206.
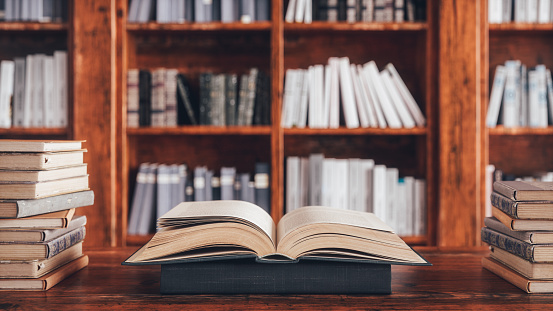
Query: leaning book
column 236, row 242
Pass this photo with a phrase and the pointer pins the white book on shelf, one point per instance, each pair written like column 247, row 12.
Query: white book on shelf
column 327, row 187
column 138, row 198
column 291, row 11
column 7, row 73
column 507, row 11
column 523, row 119
column 133, row 98
column 313, row 109
column 409, row 219
column 163, row 188
column 158, row 104
column 542, row 95
column 379, row 192
column 550, row 94
column 177, row 185
column 228, row 177
column 510, row 112
column 531, row 11
column 60, row 68
column 368, row 10
column 315, row 178
column 28, row 97
column 359, row 99
column 533, row 100
column 341, row 183
column 18, row 109
column 148, row 209
column 300, row 75
column 145, row 11
column 163, row 11
column 334, row 109
column 495, row 11
column 366, row 168
column 496, row 94
column 420, row 207
column 396, row 100
column 519, row 7
column 371, row 94
column 369, row 108
column 408, row 98
column 392, row 176
column 490, row 169
column 326, row 96
column 544, row 12
column 304, row 181
column 354, row 189
column 50, row 106
column 288, row 99
column 133, row 11
column 319, row 94
column 300, row 10
column 301, row 120
column 292, row 183
column 401, row 212
column 308, row 18
column 37, row 104
column 348, row 97
column 171, row 117
column 392, row 119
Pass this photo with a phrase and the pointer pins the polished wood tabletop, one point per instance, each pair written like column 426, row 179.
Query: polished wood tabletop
column 455, row 281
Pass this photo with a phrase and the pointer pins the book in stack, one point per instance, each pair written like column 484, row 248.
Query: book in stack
column 520, row 234
column 41, row 185
column 235, row 247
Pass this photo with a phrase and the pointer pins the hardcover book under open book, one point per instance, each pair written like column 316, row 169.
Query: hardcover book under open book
column 232, row 247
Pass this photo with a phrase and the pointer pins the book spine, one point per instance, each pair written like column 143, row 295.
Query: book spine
column 205, row 114
column 145, row 85
column 507, row 243
column 504, row 204
column 185, row 111
column 62, row 243
column 56, row 203
column 305, row 277
column 504, row 190
column 231, row 84
column 261, row 181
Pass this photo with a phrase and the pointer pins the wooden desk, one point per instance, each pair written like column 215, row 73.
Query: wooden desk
column 456, row 281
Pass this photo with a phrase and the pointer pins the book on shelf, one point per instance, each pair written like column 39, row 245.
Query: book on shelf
column 14, row 208
column 53, row 11
column 528, row 269
column 38, row 267
column 41, row 250
column 532, row 237
column 523, row 249
column 517, row 224
column 54, row 220
column 520, row 11
column 7, row 68
column 525, row 190
column 526, row 284
column 40, row 235
column 47, row 281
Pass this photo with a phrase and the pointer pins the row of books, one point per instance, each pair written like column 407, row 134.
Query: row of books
column 44, row 11
column 520, row 234
column 359, row 185
column 368, row 97
column 520, row 11
column 305, row 11
column 163, row 98
column 33, row 91
column 200, row 11
column 521, row 97
column 41, row 184
column 160, row 187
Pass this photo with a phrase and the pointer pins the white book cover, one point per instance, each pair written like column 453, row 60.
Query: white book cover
column 326, row 97
column 148, row 210
column 379, row 192
column 163, row 188
column 507, row 11
column 286, row 119
column 392, row 176
column 510, row 112
column 334, row 110
column 409, row 219
column 145, row 11
column 495, row 11
column 327, row 186
column 301, row 75
column 490, row 169
column 496, row 94
column 523, row 120
column 420, row 207
column 300, row 10
column 401, row 212
column 308, row 18
column 341, row 181
column 550, row 94
column 368, row 10
column 348, row 99
column 37, row 103
column 138, row 198
column 133, row 11
column 542, row 95
column 544, row 11
column 18, row 109
column 371, row 94
column 163, row 11
column 360, row 100
column 315, row 178
column 304, row 181
column 50, row 107
column 531, row 11
column 301, row 121
column 318, row 75
column 60, row 68
column 396, row 100
column 366, row 194
column 7, row 74
column 355, row 200
column 28, row 97
column 408, row 98
column 392, row 119
column 291, row 11
column 314, row 104
column 369, row 107
column 520, row 11
column 533, row 99
column 292, row 183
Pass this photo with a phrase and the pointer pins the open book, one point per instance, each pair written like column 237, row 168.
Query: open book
column 229, row 229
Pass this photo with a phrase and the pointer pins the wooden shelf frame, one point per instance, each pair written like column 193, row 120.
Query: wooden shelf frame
column 33, row 26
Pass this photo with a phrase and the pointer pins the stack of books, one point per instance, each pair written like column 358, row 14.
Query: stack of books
column 41, row 184
column 520, row 234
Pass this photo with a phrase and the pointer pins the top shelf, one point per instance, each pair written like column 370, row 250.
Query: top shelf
column 31, row 26
column 520, row 27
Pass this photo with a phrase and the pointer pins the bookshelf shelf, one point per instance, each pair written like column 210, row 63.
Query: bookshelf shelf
column 29, row 26
column 201, row 130
column 33, row 131
column 520, row 27
column 343, row 26
column 203, row 27
column 519, row 131
column 357, row 131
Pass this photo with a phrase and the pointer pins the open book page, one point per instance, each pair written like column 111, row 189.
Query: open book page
column 325, row 215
